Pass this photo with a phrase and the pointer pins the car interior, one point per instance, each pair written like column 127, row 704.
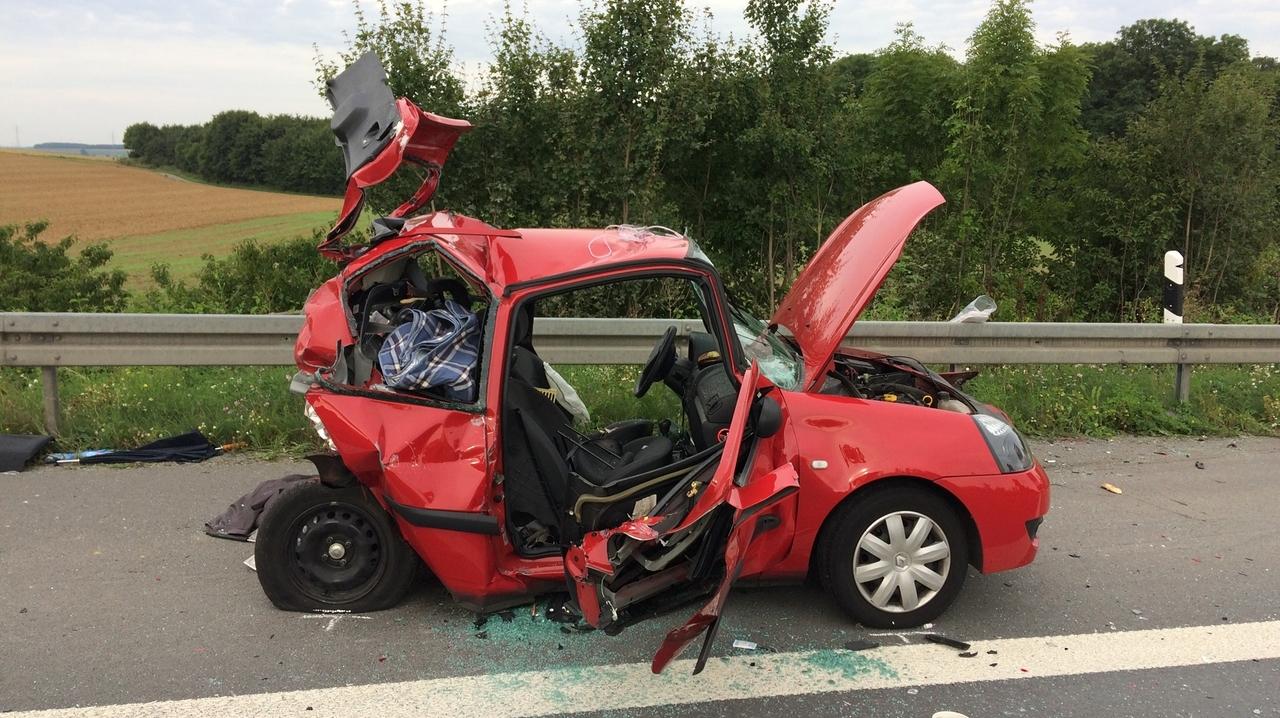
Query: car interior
column 562, row 481
column 386, row 297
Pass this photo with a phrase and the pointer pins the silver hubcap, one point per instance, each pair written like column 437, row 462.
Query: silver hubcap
column 901, row 562
column 337, row 551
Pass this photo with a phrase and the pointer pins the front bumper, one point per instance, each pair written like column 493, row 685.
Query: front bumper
column 1007, row 510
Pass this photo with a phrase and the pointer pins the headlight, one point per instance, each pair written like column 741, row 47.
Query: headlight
column 1010, row 452
column 319, row 425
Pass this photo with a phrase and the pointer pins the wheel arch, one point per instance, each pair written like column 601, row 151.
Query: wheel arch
column 972, row 538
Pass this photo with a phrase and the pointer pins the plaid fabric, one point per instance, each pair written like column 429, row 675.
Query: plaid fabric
column 437, row 350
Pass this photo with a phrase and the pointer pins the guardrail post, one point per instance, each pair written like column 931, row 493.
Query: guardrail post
column 1182, row 383
column 49, row 386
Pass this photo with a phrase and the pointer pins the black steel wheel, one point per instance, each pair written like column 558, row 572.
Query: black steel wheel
column 323, row 548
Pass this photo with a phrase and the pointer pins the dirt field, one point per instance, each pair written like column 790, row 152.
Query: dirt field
column 97, row 199
column 147, row 216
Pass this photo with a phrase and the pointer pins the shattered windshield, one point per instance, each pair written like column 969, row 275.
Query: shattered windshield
column 779, row 361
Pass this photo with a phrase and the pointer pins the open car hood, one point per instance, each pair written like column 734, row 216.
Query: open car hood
column 843, row 276
column 377, row 134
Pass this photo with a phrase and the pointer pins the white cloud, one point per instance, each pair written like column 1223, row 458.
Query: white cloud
column 91, row 92
column 81, row 71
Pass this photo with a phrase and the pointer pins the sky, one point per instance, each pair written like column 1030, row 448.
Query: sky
column 83, row 71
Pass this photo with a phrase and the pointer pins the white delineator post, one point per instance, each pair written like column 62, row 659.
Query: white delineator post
column 1173, row 290
column 1174, row 295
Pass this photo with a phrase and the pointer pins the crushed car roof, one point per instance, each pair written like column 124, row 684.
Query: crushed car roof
column 504, row 257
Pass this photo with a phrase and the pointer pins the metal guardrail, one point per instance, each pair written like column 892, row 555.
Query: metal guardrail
column 34, row 339
column 54, row 340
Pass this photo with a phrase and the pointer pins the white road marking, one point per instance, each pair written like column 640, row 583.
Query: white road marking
column 613, row 687
column 900, row 635
column 334, row 617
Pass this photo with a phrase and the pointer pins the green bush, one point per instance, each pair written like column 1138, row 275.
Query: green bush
column 294, row 154
column 38, row 276
column 254, row 279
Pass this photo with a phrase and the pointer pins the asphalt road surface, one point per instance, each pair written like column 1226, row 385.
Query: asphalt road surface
column 1161, row 601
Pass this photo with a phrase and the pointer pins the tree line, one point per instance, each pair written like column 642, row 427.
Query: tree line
column 284, row 152
column 1069, row 169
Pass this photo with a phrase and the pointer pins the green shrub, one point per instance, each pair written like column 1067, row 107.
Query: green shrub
column 254, row 279
column 38, row 276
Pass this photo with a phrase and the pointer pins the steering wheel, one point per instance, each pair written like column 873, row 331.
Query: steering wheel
column 661, row 359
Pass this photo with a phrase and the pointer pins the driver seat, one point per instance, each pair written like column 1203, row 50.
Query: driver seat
column 609, row 446
column 599, row 459
column 566, row 484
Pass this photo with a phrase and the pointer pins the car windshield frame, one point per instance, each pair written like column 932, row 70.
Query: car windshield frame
column 780, row 361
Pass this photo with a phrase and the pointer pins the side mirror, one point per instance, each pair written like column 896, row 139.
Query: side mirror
column 766, row 417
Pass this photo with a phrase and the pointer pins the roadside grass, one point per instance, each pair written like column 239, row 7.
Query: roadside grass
column 123, row 407
column 1103, row 400
column 608, row 393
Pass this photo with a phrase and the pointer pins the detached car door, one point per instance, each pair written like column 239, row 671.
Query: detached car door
column 694, row 541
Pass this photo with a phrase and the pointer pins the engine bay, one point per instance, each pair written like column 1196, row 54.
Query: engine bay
column 899, row 380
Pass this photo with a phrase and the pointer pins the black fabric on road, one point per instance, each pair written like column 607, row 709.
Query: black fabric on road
column 17, row 449
column 184, row 448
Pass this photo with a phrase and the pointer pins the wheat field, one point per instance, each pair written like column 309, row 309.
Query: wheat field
column 147, row 216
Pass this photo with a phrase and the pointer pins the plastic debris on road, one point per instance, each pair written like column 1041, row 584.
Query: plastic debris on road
column 945, row 641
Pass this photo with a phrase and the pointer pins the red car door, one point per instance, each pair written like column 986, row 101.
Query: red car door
column 720, row 518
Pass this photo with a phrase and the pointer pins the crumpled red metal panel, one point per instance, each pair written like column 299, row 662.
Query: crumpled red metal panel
column 423, row 138
column 324, row 327
column 750, row 502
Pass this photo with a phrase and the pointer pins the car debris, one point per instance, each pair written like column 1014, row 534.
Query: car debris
column 1112, row 488
column 17, row 450
column 745, row 645
column 239, row 522
column 946, row 641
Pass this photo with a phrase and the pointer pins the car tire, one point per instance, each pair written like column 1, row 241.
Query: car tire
column 321, row 548
column 869, row 577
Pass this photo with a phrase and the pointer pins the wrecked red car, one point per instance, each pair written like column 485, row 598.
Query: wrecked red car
column 455, row 446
